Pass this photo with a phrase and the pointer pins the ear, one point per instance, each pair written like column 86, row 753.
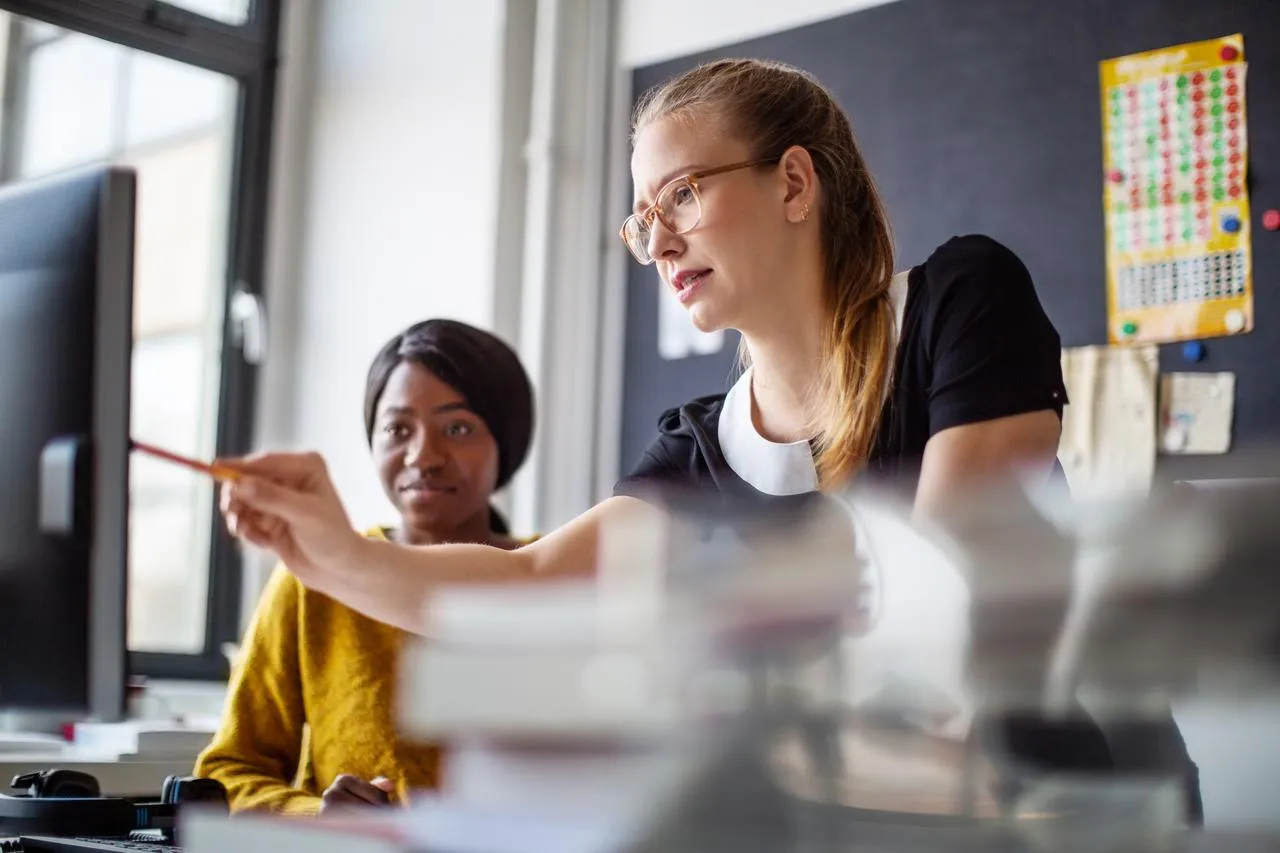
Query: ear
column 800, row 183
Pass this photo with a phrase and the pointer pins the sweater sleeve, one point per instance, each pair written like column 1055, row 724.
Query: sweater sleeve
column 256, row 751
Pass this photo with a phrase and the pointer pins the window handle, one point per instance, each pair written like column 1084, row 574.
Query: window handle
column 248, row 324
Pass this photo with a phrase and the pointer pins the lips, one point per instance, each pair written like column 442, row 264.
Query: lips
column 426, row 489
column 687, row 282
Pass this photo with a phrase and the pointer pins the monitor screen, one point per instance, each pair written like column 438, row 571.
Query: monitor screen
column 66, row 283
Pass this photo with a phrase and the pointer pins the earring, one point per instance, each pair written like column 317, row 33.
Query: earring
column 804, row 214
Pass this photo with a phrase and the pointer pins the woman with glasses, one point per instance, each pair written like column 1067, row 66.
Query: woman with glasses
column 755, row 204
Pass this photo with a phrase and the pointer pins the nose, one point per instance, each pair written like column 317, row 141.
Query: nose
column 424, row 451
column 663, row 242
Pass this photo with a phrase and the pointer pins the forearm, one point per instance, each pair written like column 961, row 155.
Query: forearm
column 392, row 583
column 254, row 783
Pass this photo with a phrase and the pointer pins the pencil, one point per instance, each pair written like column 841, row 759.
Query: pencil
column 217, row 472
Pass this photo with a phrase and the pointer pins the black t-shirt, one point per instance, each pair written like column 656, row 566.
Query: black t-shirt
column 974, row 344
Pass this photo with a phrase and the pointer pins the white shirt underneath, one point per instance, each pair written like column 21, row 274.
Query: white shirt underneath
column 771, row 467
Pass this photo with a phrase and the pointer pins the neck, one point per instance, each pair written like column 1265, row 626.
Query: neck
column 786, row 365
column 475, row 529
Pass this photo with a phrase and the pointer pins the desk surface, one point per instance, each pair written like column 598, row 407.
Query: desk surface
column 131, row 776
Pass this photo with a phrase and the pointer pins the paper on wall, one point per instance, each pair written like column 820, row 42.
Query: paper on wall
column 1108, row 445
column 1196, row 412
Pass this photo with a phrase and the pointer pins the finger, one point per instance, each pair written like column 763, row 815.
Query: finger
column 276, row 466
column 382, row 783
column 360, row 790
column 273, row 499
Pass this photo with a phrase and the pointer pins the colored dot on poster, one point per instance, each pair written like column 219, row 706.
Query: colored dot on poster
column 1233, row 122
column 1197, row 78
column 1215, row 93
column 1235, row 157
column 1219, row 194
column 1186, row 234
column 1217, row 109
column 1198, row 112
column 1217, row 145
column 1231, row 73
column 1217, row 126
column 1233, row 90
column 1185, row 198
column 1218, row 161
column 1235, row 191
column 1215, row 75
column 1129, row 329
column 1182, row 81
column 1184, row 168
column 1197, row 96
column 1229, row 53
column 1233, row 107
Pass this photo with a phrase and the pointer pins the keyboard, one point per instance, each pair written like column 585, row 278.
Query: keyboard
column 54, row 844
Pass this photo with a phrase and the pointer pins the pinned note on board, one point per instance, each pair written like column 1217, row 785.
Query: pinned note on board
column 1196, row 411
column 1108, row 445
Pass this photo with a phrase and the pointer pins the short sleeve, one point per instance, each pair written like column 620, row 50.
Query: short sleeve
column 992, row 349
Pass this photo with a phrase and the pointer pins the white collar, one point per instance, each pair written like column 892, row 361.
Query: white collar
column 778, row 468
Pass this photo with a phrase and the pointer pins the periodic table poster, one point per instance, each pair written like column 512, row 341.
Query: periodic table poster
column 1177, row 207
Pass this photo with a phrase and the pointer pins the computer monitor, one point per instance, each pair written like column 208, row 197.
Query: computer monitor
column 66, row 321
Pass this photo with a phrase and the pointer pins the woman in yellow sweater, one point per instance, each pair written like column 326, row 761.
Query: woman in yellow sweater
column 308, row 724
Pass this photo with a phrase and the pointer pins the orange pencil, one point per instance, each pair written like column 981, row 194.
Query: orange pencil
column 217, row 472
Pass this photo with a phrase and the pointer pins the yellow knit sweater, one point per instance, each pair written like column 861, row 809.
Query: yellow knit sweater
column 311, row 697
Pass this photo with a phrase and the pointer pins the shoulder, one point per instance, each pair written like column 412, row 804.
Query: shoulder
column 678, row 453
column 974, row 287
column 681, row 421
column 974, row 265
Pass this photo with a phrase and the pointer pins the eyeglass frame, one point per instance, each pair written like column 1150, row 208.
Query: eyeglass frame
column 692, row 180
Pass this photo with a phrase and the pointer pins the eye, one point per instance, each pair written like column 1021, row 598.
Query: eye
column 395, row 430
column 459, row 429
column 682, row 195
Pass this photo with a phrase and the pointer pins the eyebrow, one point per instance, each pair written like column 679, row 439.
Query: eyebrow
column 666, row 179
column 456, row 406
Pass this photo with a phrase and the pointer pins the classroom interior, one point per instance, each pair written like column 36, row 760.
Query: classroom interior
column 314, row 175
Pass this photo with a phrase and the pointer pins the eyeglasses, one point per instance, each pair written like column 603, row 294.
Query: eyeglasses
column 678, row 207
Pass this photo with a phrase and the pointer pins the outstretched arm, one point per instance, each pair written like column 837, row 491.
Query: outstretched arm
column 287, row 503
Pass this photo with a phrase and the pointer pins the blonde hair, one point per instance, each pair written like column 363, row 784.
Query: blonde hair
column 772, row 107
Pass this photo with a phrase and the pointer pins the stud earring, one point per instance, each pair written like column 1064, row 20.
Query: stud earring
column 804, row 214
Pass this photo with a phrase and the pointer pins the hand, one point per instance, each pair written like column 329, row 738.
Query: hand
column 349, row 792
column 286, row 503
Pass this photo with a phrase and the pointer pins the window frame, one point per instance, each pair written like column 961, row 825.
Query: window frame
column 249, row 53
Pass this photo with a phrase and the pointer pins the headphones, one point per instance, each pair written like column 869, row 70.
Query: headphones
column 62, row 802
column 192, row 789
column 59, row 784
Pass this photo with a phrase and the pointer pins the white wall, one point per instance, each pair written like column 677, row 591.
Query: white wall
column 395, row 216
column 656, row 30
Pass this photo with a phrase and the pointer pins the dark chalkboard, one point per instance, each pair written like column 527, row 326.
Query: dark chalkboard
column 984, row 116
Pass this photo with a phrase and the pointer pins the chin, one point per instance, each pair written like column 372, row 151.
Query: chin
column 706, row 319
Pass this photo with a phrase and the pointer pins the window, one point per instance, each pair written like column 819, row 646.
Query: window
column 182, row 92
